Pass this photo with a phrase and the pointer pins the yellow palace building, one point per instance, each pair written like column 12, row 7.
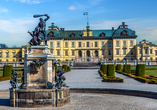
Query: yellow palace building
column 90, row 45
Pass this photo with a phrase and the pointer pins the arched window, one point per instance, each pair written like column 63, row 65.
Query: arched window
column 79, row 53
column 124, row 33
column 88, row 53
column 96, row 53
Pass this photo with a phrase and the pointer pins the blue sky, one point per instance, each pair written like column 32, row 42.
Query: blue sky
column 16, row 17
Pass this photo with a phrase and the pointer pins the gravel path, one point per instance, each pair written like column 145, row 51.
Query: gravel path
column 80, row 101
column 90, row 78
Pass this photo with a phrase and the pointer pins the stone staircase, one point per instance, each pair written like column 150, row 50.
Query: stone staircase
column 86, row 64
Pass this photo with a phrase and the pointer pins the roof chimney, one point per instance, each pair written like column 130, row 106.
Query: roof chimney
column 112, row 28
column 123, row 23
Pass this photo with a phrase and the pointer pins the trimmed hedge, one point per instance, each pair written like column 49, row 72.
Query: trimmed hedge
column 111, row 70
column 103, row 68
column 112, row 79
column 56, row 69
column 65, row 68
column 127, row 68
column 68, row 68
column 118, row 67
column 140, row 70
column 7, row 70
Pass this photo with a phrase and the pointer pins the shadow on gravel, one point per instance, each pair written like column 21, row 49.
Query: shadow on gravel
column 4, row 102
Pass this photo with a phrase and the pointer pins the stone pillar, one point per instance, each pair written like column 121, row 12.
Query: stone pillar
column 76, row 53
column 146, row 62
column 112, row 61
column 148, row 51
column 16, row 64
column 2, row 63
column 135, row 63
column 149, row 62
column 13, row 63
column 123, row 62
column 142, row 51
column 126, row 61
column 104, row 62
column 115, row 62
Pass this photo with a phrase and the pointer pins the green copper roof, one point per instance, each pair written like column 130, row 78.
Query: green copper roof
column 96, row 33
column 129, row 32
column 77, row 33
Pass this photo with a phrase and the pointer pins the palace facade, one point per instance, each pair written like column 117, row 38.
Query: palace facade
column 89, row 45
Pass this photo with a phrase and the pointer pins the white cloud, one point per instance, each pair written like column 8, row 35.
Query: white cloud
column 3, row 10
column 72, row 8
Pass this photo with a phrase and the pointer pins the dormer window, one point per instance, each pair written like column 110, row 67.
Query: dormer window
column 102, row 35
column 72, row 35
column 124, row 33
column 51, row 34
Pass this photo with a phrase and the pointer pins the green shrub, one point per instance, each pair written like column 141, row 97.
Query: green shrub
column 111, row 70
column 65, row 68
column 60, row 67
column 68, row 68
column 103, row 68
column 112, row 79
column 118, row 67
column 140, row 70
column 7, row 70
column 127, row 68
column 145, row 80
column 56, row 69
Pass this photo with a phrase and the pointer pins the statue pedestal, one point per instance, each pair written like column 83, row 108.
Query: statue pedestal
column 38, row 88
column 38, row 72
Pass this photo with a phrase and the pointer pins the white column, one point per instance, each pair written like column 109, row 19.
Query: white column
column 142, row 51
column 77, row 53
column 148, row 50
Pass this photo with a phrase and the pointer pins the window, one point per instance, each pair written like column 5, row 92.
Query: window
column 0, row 54
column 131, row 51
column 140, row 51
column 72, row 35
column 109, row 52
column 58, row 44
column 124, row 33
column 145, row 51
column 124, row 43
column 96, row 53
column 131, row 43
column 83, row 45
column 117, row 51
column 66, row 44
column 79, row 44
column 73, row 52
column 88, row 34
column 102, row 44
column 51, row 44
column 66, row 53
column 124, row 51
column 117, row 43
column 96, row 44
column 72, row 44
column 58, row 52
column 155, row 52
column 87, row 44
column 103, row 52
column 7, row 54
column 102, row 34
column 13, row 54
column 109, row 44
column 91, row 44
column 20, row 54
column 150, row 51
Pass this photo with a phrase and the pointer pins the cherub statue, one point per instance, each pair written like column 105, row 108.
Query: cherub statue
column 14, row 79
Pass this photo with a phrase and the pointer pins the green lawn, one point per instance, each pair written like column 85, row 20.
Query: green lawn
column 151, row 72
